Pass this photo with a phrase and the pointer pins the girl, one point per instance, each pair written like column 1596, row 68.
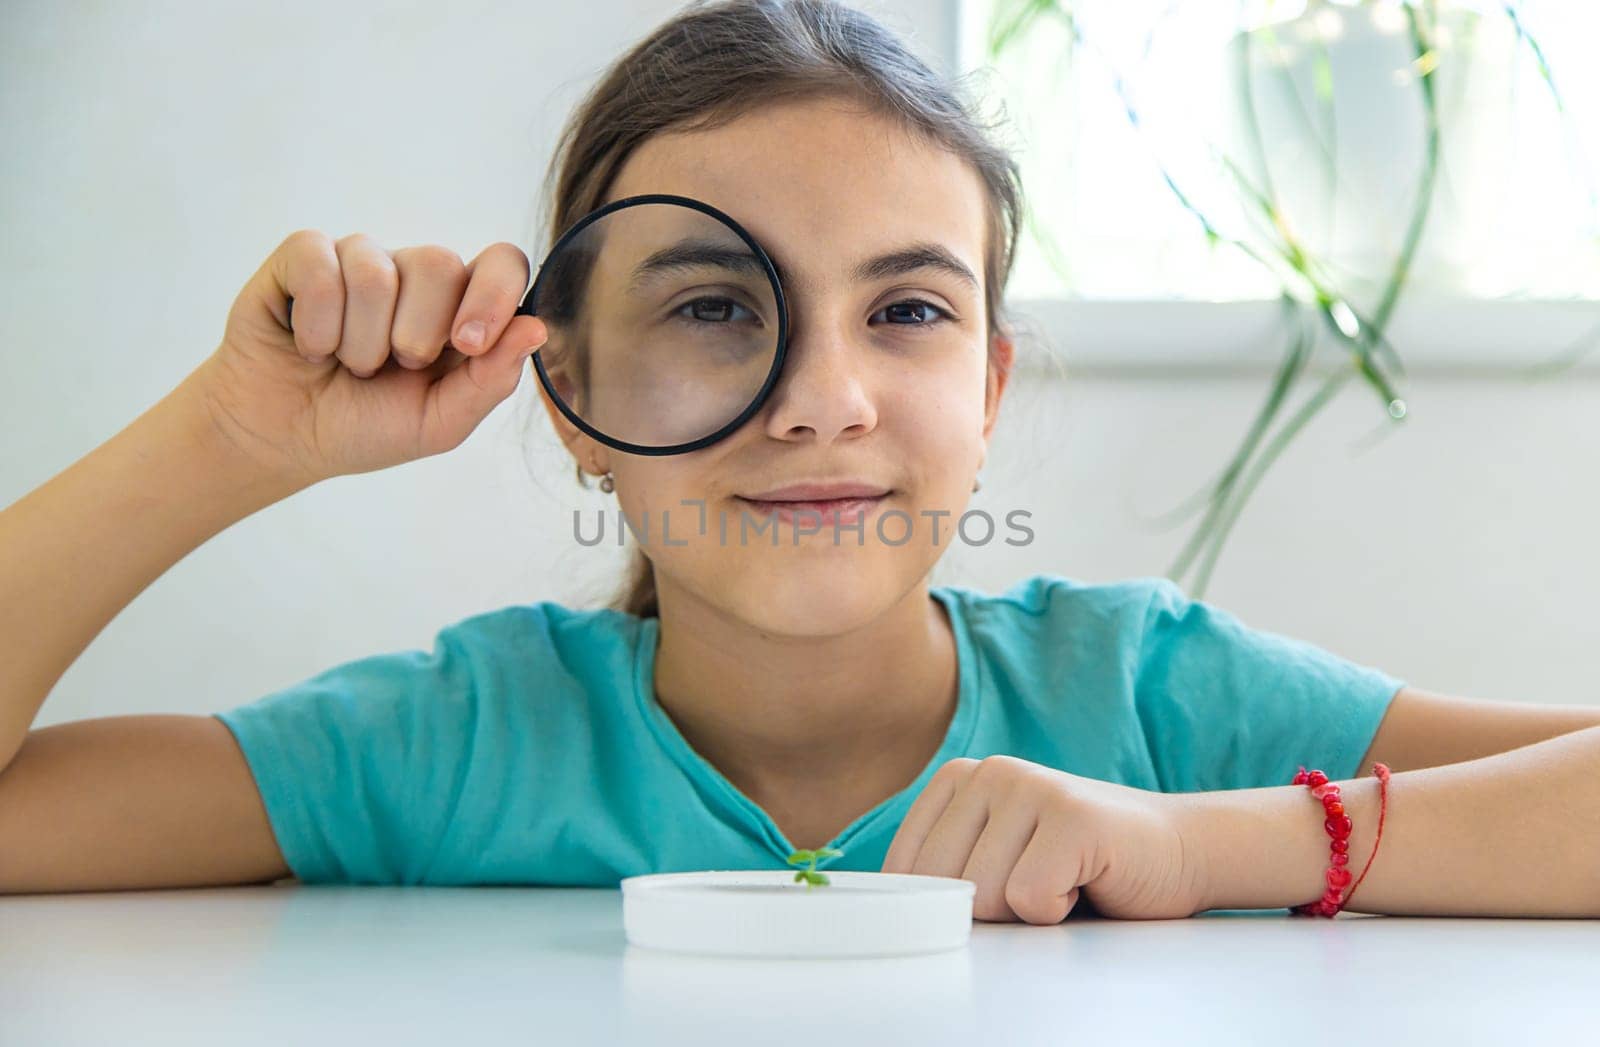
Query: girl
column 1118, row 744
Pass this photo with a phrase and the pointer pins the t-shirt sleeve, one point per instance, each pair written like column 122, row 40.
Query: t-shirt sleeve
column 359, row 766
column 1226, row 706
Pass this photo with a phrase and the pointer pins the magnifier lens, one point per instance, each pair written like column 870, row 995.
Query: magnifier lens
column 663, row 324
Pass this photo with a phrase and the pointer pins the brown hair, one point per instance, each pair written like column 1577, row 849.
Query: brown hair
column 714, row 62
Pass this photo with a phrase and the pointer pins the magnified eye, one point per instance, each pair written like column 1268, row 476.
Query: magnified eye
column 712, row 310
column 913, row 312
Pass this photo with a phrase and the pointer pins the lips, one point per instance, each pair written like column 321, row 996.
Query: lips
column 819, row 492
column 820, row 512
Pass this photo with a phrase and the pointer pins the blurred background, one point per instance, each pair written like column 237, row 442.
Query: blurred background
column 1310, row 299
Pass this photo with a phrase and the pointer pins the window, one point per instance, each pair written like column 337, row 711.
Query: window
column 1513, row 214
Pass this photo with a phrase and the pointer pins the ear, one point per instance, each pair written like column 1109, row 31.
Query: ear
column 589, row 453
column 1002, row 351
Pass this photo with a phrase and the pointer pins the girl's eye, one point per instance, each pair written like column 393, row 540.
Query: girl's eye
column 712, row 310
column 913, row 312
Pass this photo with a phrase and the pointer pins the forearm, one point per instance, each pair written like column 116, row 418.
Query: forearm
column 1513, row 834
column 76, row 550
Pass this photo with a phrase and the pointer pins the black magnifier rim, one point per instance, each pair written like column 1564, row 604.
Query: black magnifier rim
column 526, row 309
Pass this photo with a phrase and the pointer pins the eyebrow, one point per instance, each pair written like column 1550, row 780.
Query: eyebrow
column 922, row 255
column 697, row 254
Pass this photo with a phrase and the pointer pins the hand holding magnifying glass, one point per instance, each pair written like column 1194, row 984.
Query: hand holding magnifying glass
column 666, row 324
column 368, row 379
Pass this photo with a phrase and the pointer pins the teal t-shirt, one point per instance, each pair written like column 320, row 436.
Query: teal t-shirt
column 528, row 748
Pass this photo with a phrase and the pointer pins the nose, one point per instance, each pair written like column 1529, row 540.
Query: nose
column 822, row 393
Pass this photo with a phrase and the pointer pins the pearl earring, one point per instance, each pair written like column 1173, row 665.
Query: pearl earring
column 607, row 484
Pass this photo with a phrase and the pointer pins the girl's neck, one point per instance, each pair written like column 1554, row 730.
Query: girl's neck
column 848, row 716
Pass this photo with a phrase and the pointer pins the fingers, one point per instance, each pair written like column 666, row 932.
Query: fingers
column 352, row 299
column 1005, row 833
column 498, row 278
column 925, row 812
column 465, row 395
column 432, row 279
column 996, row 823
column 1043, row 886
column 306, row 269
column 372, row 287
column 952, row 837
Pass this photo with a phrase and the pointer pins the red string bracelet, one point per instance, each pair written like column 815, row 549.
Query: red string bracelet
column 1338, row 825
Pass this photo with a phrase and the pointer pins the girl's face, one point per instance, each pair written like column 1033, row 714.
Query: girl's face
column 886, row 379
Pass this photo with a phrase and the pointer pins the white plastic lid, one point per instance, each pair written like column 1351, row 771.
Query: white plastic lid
column 764, row 912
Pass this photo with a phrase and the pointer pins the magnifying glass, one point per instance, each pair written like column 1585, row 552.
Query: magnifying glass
column 667, row 324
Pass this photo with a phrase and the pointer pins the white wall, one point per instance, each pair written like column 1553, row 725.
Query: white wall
column 158, row 151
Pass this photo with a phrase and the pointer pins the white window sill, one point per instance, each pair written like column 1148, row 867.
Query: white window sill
column 1467, row 335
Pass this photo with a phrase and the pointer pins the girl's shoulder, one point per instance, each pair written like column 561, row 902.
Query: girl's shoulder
column 547, row 627
column 1048, row 597
column 1048, row 627
column 546, row 654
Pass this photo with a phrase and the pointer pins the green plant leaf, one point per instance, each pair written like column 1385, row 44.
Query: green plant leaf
column 1294, row 361
column 1328, row 390
column 1012, row 18
column 1277, row 248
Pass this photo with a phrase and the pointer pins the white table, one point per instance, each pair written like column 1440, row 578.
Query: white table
column 292, row 964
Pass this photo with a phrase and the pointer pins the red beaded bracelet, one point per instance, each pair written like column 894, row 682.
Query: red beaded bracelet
column 1338, row 825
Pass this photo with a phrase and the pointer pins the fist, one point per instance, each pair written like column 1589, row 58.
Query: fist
column 1033, row 840
column 340, row 356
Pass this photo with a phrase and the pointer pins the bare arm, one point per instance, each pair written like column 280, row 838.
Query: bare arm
column 132, row 802
column 1512, row 834
column 149, row 801
column 1427, row 729
column 75, row 551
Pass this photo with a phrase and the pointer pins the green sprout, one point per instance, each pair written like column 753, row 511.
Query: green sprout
column 809, row 874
